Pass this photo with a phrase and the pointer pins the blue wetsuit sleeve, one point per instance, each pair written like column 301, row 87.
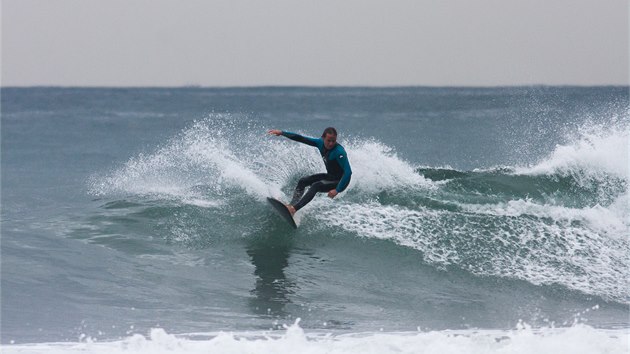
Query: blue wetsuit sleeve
column 347, row 172
column 303, row 139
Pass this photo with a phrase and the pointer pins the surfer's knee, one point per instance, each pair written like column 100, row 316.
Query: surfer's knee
column 317, row 185
column 303, row 182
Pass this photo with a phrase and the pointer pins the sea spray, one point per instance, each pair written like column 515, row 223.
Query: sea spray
column 560, row 221
column 119, row 210
column 576, row 339
column 575, row 234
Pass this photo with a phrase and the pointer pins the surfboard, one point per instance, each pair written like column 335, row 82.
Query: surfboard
column 282, row 211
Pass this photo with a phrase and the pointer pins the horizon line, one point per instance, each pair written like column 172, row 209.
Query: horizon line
column 194, row 86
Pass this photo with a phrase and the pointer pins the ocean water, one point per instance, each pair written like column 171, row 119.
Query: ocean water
column 478, row 220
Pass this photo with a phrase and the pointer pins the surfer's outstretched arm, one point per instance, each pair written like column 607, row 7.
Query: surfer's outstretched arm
column 299, row 138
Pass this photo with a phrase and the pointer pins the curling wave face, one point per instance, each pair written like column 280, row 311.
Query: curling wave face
column 560, row 221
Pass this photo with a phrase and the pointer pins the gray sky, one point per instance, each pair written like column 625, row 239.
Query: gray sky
column 317, row 42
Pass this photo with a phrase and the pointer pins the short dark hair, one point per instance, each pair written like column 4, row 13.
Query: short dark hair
column 329, row 130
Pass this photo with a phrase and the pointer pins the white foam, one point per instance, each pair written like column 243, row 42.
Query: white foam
column 554, row 250
column 199, row 156
column 392, row 170
column 214, row 154
column 603, row 220
column 595, row 153
column 577, row 339
column 407, row 227
column 203, row 203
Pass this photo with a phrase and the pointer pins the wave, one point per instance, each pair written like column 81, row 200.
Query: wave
column 560, row 221
column 215, row 154
column 577, row 339
column 193, row 163
column 595, row 154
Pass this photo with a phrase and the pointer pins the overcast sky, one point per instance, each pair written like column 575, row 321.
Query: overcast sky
column 317, row 42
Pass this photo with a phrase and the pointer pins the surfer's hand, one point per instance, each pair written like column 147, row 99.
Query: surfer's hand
column 332, row 193
column 275, row 132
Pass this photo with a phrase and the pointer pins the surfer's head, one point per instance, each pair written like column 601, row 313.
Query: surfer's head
column 330, row 137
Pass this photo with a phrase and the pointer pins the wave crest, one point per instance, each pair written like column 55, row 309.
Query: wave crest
column 562, row 221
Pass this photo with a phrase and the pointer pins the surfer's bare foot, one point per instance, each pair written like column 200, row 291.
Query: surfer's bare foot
column 291, row 209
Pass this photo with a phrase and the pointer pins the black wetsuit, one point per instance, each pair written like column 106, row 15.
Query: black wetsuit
column 337, row 174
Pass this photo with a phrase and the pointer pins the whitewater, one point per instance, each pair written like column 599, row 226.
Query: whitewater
column 464, row 219
column 478, row 220
column 576, row 339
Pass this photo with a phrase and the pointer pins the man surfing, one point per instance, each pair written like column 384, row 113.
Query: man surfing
column 338, row 171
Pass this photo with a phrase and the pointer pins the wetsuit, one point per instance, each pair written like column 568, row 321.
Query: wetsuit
column 337, row 174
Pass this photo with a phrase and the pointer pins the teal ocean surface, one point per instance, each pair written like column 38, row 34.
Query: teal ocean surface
column 478, row 220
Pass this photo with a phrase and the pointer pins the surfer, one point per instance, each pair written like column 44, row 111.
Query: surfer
column 338, row 171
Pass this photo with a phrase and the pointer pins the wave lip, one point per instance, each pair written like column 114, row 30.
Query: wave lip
column 199, row 157
column 214, row 154
column 391, row 170
column 596, row 154
column 562, row 221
